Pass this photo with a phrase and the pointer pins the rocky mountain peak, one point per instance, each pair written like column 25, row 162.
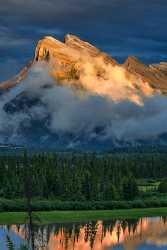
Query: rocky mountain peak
column 154, row 74
column 66, row 60
column 80, row 45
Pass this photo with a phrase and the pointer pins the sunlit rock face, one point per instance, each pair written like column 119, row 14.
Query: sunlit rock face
column 68, row 51
column 78, row 63
column 17, row 79
column 155, row 74
column 83, row 66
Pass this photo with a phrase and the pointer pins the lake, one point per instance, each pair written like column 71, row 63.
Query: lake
column 133, row 234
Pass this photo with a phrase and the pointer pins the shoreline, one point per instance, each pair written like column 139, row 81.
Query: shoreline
column 50, row 217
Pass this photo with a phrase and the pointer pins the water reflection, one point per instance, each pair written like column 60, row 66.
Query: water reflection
column 99, row 235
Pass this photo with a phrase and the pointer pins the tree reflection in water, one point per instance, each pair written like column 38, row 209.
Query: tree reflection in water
column 94, row 235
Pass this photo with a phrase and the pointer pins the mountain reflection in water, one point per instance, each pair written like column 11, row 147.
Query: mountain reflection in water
column 101, row 235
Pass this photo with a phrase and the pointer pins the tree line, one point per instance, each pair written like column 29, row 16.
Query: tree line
column 78, row 177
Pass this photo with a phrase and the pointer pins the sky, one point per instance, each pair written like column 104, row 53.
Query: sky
column 118, row 27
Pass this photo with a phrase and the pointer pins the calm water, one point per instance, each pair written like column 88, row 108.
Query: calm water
column 143, row 234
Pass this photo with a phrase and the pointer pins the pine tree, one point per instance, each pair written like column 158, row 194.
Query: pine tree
column 129, row 188
column 162, row 188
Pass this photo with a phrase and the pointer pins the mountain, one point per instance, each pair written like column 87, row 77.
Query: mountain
column 67, row 60
column 74, row 94
column 155, row 74
column 64, row 58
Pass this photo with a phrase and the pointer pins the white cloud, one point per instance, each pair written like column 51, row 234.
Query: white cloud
column 77, row 115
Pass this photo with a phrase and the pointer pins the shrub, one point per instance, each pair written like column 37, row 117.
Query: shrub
column 162, row 188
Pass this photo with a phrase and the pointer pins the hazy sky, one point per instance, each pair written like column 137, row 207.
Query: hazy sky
column 119, row 27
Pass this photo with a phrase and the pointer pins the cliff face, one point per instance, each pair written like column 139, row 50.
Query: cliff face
column 155, row 74
column 70, row 51
column 17, row 79
column 67, row 60
column 70, row 61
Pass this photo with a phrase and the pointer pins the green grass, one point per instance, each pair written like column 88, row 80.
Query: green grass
column 148, row 188
column 76, row 216
column 147, row 185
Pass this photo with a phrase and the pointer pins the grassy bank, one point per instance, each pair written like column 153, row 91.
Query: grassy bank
column 76, row 216
column 19, row 205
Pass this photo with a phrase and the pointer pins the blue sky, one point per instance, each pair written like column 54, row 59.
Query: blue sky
column 119, row 27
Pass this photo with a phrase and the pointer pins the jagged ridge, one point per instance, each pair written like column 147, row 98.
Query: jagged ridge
column 66, row 59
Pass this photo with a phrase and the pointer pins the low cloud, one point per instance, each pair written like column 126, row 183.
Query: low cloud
column 62, row 111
